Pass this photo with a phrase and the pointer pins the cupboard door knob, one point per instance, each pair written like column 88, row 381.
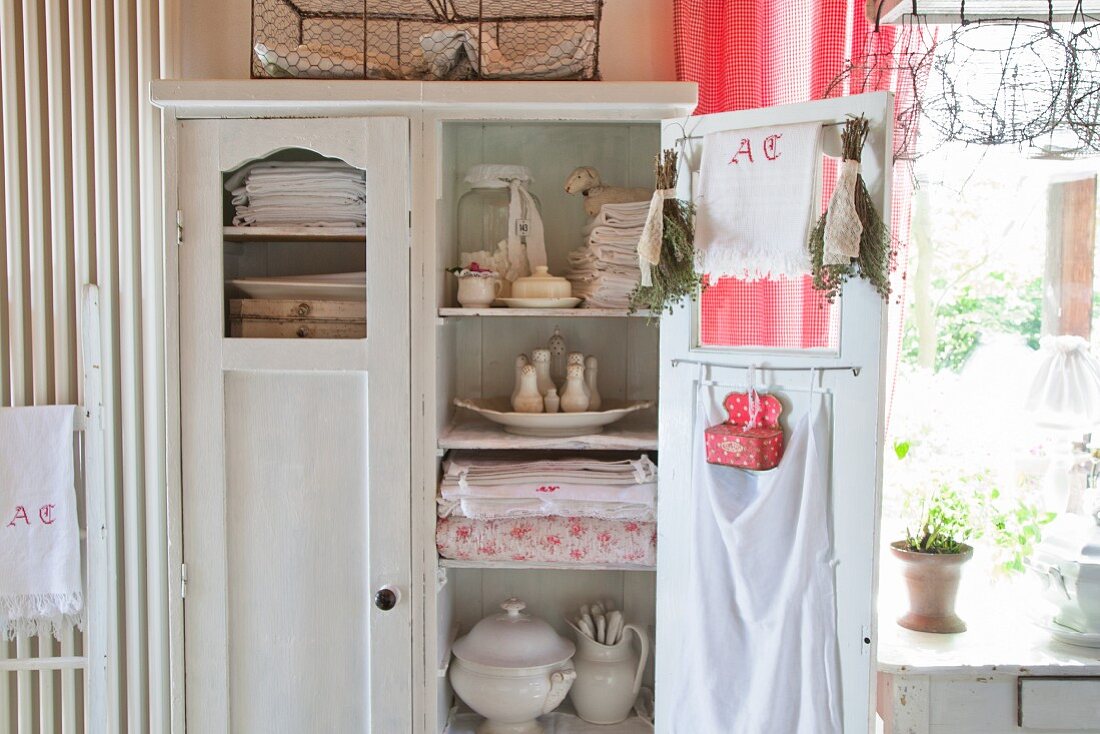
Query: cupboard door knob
column 303, row 309
column 386, row 598
column 303, row 331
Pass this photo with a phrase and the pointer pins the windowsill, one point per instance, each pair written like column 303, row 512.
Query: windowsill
column 1003, row 635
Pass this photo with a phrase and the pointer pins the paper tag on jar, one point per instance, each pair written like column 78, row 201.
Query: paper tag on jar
column 523, row 227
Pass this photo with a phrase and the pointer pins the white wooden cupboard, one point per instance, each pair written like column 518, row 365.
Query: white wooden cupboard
column 308, row 468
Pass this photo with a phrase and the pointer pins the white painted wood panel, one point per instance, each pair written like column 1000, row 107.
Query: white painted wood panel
column 296, row 522
column 857, row 409
column 278, row 393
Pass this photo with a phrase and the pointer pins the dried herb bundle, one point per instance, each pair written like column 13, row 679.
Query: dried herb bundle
column 876, row 252
column 674, row 278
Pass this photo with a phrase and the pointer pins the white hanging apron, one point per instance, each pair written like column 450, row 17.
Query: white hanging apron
column 758, row 621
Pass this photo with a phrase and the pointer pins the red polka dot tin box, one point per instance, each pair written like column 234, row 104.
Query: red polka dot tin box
column 751, row 438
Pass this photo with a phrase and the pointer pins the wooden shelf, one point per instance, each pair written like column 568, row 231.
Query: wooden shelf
column 294, row 234
column 541, row 566
column 557, row 313
column 464, row 722
column 637, row 432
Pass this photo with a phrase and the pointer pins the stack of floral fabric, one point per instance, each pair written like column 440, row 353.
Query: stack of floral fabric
column 605, row 271
column 514, row 506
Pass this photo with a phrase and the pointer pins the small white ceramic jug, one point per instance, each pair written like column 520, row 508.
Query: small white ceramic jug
column 478, row 291
column 608, row 676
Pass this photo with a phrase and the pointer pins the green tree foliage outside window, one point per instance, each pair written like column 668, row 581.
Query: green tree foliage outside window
column 964, row 317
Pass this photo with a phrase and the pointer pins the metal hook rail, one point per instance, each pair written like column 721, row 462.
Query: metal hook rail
column 854, row 369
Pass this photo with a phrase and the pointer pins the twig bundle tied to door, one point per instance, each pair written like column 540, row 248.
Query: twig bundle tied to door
column 666, row 249
column 851, row 237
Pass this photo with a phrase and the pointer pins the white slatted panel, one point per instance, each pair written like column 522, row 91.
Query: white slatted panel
column 80, row 177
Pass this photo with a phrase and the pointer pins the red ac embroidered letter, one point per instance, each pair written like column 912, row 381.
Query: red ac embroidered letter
column 744, row 149
column 771, row 151
column 20, row 514
column 45, row 514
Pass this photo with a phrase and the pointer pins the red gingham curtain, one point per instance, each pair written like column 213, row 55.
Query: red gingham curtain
column 759, row 53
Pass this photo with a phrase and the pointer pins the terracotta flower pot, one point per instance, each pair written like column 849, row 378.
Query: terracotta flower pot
column 933, row 583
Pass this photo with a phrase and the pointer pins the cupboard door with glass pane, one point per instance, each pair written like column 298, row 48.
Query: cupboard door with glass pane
column 294, row 378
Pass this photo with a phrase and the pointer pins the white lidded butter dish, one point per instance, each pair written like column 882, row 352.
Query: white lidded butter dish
column 541, row 285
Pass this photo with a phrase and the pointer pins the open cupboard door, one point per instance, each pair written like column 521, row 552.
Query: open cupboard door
column 854, row 409
column 295, row 441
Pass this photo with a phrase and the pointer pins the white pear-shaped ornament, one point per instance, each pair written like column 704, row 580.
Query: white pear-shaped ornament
column 590, row 371
column 528, row 400
column 573, row 398
column 556, row 345
column 521, row 362
column 577, row 358
column 541, row 359
column 551, row 402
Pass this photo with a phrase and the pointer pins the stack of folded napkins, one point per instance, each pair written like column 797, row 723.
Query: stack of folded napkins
column 605, row 271
column 301, row 193
column 514, row 506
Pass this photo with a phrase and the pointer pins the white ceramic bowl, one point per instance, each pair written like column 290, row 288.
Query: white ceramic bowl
column 511, row 699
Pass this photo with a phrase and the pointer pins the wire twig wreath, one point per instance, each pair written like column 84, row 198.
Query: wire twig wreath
column 1000, row 81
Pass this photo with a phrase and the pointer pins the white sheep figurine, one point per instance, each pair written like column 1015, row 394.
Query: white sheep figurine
column 586, row 180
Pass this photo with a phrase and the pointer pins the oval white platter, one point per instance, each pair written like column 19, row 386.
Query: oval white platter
column 551, row 425
column 325, row 287
column 540, row 302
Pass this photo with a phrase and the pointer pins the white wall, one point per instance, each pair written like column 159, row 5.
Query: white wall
column 635, row 40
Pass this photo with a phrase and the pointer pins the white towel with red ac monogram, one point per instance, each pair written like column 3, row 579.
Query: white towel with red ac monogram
column 40, row 589
column 757, row 199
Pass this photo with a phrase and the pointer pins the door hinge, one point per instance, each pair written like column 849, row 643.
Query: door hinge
column 865, row 640
column 179, row 227
column 183, row 580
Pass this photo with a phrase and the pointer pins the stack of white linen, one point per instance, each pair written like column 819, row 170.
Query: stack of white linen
column 517, row 507
column 300, row 193
column 514, row 484
column 605, row 271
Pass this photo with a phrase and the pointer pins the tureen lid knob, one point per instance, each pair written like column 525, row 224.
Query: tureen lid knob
column 513, row 606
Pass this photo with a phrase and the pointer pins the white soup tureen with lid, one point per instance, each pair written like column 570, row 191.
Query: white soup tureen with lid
column 1068, row 562
column 511, row 668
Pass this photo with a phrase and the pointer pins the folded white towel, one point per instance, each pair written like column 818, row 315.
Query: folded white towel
column 757, row 200
column 40, row 587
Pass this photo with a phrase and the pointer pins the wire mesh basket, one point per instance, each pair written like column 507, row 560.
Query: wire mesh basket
column 426, row 39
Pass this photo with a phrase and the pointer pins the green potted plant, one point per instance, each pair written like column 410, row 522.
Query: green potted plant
column 932, row 558
column 967, row 507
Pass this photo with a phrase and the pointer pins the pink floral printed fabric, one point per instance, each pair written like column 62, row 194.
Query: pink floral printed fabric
column 551, row 539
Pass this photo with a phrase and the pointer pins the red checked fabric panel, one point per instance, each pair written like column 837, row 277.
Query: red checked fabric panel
column 758, row 54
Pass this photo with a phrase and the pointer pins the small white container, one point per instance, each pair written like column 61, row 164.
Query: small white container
column 542, row 285
column 512, row 668
column 478, row 291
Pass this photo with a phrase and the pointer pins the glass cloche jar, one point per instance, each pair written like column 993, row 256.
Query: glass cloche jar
column 496, row 206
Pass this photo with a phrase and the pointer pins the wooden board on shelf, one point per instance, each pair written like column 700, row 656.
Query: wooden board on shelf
column 634, row 433
column 294, row 234
column 575, row 313
column 544, row 566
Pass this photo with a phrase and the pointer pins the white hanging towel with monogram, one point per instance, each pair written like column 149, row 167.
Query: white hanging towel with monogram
column 758, row 639
column 40, row 588
column 757, row 201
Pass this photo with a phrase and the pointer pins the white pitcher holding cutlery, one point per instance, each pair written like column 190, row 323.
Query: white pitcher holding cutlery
column 608, row 676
